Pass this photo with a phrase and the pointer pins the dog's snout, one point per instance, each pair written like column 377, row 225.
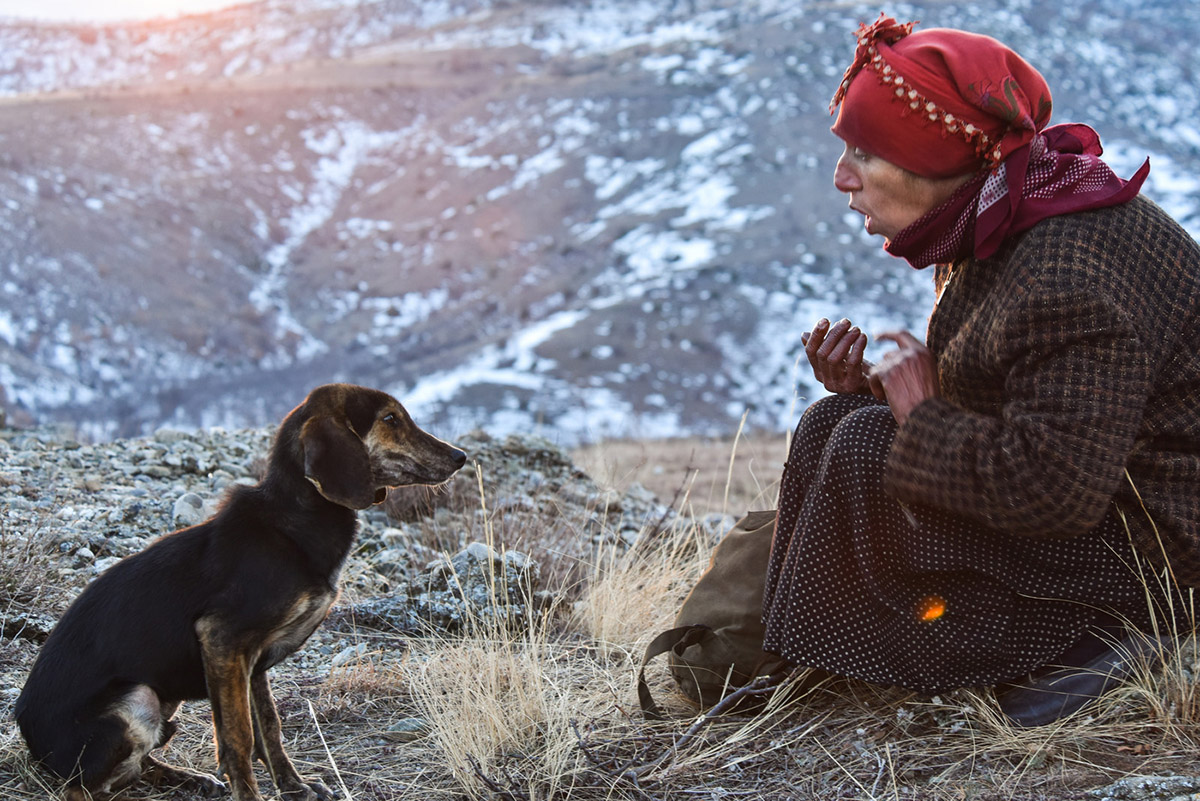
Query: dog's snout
column 446, row 459
column 439, row 454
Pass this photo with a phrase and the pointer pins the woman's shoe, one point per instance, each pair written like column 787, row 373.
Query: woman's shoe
column 1097, row 664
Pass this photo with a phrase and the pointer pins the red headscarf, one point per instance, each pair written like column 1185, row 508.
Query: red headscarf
column 943, row 102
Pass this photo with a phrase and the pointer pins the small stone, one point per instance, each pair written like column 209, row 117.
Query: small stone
column 169, row 435
column 408, row 729
column 100, row 565
column 390, row 561
column 154, row 470
column 188, row 510
column 354, row 653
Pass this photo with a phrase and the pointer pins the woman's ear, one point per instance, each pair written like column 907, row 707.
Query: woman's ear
column 336, row 462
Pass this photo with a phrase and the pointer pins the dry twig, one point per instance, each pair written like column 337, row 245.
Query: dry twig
column 504, row 793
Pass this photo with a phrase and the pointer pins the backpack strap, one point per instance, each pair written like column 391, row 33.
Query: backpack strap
column 678, row 640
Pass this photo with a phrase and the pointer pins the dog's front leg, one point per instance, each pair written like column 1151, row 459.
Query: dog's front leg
column 227, row 673
column 268, row 745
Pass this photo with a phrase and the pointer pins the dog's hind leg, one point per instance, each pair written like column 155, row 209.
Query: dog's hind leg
column 159, row 773
column 268, row 746
column 103, row 764
column 117, row 742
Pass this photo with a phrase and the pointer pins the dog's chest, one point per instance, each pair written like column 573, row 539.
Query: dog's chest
column 298, row 624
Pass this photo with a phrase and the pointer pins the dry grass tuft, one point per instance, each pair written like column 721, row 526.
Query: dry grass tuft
column 647, row 582
column 28, row 574
column 500, row 704
column 499, row 710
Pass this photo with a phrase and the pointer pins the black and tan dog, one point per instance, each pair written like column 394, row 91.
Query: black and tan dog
column 204, row 612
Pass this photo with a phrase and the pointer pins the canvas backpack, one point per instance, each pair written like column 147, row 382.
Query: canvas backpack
column 716, row 644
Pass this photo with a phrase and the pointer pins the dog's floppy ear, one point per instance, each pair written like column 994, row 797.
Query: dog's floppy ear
column 336, row 462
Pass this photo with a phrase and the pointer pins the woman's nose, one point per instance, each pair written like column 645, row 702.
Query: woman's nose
column 845, row 178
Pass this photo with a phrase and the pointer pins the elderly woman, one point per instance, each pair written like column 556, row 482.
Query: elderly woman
column 1012, row 502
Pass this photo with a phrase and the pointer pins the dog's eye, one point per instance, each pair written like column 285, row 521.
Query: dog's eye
column 391, row 419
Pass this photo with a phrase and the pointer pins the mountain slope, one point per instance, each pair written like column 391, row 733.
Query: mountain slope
column 604, row 218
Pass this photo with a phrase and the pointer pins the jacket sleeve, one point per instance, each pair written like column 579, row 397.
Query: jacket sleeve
column 1075, row 381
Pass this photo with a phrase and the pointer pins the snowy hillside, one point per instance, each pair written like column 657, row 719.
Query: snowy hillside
column 586, row 219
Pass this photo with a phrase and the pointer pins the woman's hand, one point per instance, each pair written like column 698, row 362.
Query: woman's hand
column 836, row 356
column 906, row 376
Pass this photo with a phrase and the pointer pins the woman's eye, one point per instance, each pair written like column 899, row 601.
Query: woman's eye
column 861, row 154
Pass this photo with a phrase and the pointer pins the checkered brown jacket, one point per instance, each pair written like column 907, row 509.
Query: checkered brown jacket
column 1069, row 365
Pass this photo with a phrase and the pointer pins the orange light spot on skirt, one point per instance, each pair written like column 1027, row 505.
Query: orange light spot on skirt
column 931, row 608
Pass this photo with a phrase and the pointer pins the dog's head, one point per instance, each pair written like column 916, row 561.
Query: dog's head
column 357, row 442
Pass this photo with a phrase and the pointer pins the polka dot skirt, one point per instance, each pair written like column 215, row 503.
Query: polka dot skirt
column 863, row 586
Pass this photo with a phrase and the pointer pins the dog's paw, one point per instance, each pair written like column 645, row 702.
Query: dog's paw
column 160, row 773
column 202, row 784
column 209, row 786
column 310, row 790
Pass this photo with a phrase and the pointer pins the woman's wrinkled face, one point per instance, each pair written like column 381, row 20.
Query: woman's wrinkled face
column 889, row 197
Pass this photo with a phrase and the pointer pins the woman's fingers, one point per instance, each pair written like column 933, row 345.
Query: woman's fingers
column 836, row 333
column 845, row 347
column 812, row 343
column 835, row 353
column 907, row 376
column 814, row 339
